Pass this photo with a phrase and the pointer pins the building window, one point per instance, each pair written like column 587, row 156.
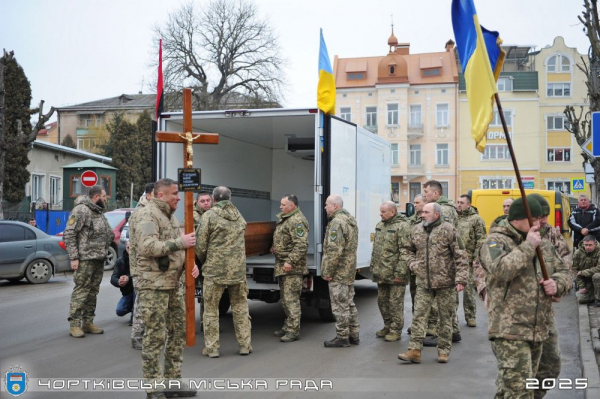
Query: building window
column 76, row 187
column 105, row 182
column 372, row 116
column 431, row 72
column 497, row 121
column 441, row 154
column 394, row 154
column 346, row 113
column 356, row 76
column 392, row 114
column 415, row 154
column 559, row 155
column 415, row 189
column 556, row 123
column 562, row 186
column 496, row 151
column 441, row 115
column 416, row 92
column 558, row 63
column 54, row 190
column 496, row 183
column 415, row 115
column 558, row 89
column 37, row 188
column 392, row 69
column 444, row 188
column 396, row 192
column 504, row 84
column 86, row 143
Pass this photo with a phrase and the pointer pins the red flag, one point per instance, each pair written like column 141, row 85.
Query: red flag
column 159, row 86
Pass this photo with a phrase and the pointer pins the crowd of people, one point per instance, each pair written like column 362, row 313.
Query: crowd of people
column 440, row 251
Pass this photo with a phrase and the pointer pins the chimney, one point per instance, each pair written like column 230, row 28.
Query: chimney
column 449, row 45
column 403, row 48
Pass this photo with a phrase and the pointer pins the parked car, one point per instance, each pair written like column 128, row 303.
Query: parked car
column 124, row 238
column 117, row 220
column 28, row 252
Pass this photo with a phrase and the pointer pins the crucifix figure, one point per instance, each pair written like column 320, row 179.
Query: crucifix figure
column 189, row 139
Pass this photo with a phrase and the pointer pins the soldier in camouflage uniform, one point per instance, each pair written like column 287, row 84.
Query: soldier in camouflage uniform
column 471, row 228
column 87, row 238
column 338, row 267
column 586, row 264
column 290, row 245
column 137, row 324
column 160, row 256
column 418, row 202
column 390, row 271
column 435, row 253
column 432, row 190
column 220, row 247
column 519, row 301
column 203, row 204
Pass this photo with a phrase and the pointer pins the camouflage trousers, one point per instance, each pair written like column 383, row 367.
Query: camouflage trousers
column 390, row 298
column 469, row 298
column 517, row 361
column 550, row 363
column 87, row 278
column 163, row 313
column 137, row 325
column 592, row 286
column 290, row 289
column 344, row 310
column 238, row 295
column 446, row 302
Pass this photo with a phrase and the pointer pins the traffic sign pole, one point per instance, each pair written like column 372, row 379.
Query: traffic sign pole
column 596, row 134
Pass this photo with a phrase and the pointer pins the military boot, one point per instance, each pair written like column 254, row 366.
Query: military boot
column 412, row 355
column 279, row 333
column 383, row 332
column 442, row 358
column 471, row 323
column 456, row 337
column 91, row 328
column 430, row 341
column 184, row 391
column 245, row 350
column 212, row 353
column 354, row 340
column 337, row 343
column 136, row 344
column 392, row 336
column 76, row 332
column 290, row 338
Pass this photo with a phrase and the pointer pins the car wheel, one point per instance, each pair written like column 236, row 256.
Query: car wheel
column 111, row 259
column 39, row 271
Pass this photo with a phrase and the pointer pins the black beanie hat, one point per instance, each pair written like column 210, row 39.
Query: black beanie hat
column 545, row 205
column 517, row 209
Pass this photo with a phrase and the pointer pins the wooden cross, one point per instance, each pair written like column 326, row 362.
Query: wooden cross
column 188, row 138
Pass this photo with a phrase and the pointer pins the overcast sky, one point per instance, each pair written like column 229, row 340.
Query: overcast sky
column 78, row 51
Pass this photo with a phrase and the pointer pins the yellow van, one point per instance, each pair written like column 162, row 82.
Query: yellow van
column 489, row 205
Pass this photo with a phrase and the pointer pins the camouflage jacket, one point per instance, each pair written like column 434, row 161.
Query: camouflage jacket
column 133, row 221
column 449, row 212
column 88, row 234
column 471, row 228
column 436, row 255
column 339, row 248
column 558, row 241
column 198, row 212
column 159, row 249
column 518, row 307
column 414, row 219
column 386, row 262
column 220, row 244
column 498, row 220
column 290, row 242
column 586, row 263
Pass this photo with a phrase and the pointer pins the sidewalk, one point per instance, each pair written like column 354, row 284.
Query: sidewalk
column 589, row 322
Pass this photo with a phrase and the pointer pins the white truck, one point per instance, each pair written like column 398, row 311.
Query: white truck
column 264, row 154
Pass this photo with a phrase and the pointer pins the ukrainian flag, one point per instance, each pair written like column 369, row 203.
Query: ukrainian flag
column 326, row 87
column 482, row 58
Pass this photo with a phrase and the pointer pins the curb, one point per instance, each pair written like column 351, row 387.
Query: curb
column 587, row 345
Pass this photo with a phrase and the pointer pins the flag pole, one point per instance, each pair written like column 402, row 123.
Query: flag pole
column 521, row 188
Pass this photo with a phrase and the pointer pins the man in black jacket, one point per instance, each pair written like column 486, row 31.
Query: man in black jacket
column 121, row 278
column 584, row 220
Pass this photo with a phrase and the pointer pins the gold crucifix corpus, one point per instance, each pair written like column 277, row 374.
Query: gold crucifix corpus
column 189, row 139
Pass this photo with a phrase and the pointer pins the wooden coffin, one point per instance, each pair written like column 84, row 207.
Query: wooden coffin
column 259, row 238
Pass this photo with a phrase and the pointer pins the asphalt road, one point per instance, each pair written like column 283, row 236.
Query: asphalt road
column 34, row 335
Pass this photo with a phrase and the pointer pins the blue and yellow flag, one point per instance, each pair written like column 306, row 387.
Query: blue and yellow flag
column 326, row 87
column 482, row 58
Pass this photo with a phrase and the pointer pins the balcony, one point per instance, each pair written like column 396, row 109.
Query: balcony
column 371, row 128
column 415, row 131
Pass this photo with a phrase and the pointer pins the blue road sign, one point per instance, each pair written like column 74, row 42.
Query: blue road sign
column 596, row 134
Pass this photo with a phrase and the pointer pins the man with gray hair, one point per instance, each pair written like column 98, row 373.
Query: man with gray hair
column 220, row 247
column 584, row 220
column 338, row 267
column 435, row 253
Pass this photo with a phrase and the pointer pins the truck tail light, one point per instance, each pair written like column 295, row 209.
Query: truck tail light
column 558, row 222
column 308, row 283
column 62, row 245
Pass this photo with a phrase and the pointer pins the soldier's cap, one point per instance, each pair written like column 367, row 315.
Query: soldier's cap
column 517, row 209
column 545, row 205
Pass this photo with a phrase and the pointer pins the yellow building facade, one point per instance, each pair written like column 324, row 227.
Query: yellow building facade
column 534, row 89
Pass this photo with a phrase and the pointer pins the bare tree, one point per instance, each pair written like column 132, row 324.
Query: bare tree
column 224, row 52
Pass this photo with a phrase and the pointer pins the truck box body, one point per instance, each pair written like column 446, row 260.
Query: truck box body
column 265, row 154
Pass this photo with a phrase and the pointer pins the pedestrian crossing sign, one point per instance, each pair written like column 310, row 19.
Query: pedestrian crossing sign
column 578, row 184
